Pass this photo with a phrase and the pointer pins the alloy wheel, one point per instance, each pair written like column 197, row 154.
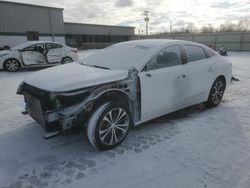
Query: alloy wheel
column 217, row 92
column 12, row 65
column 67, row 60
column 114, row 126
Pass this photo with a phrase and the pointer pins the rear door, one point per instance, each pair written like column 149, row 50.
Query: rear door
column 54, row 53
column 163, row 83
column 33, row 54
column 201, row 71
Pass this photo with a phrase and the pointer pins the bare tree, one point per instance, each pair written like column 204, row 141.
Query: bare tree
column 227, row 27
column 208, row 29
column 191, row 28
column 243, row 24
column 188, row 27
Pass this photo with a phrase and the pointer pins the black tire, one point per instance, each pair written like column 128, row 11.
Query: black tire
column 66, row 60
column 12, row 65
column 216, row 92
column 106, row 133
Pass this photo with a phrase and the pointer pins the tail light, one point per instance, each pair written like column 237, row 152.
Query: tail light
column 74, row 50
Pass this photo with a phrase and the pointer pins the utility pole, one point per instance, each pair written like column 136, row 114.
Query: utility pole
column 170, row 27
column 146, row 19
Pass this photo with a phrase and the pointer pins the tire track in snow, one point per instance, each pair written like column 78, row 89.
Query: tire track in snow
column 56, row 172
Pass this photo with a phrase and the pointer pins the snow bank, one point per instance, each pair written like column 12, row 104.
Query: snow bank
column 195, row 147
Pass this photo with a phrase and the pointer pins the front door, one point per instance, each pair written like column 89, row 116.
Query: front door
column 164, row 83
column 33, row 55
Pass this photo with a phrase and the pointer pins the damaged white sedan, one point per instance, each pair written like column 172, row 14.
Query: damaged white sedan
column 125, row 85
column 36, row 54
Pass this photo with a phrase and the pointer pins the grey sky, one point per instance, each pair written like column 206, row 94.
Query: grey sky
column 130, row 12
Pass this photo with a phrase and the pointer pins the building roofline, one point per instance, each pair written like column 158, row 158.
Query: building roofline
column 101, row 25
column 26, row 4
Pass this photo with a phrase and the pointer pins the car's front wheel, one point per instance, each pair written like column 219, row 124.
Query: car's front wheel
column 12, row 65
column 216, row 92
column 109, row 125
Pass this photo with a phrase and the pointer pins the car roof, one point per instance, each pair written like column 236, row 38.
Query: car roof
column 40, row 41
column 158, row 43
column 26, row 44
column 133, row 53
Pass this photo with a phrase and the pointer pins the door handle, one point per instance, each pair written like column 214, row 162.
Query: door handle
column 210, row 69
column 181, row 76
column 148, row 74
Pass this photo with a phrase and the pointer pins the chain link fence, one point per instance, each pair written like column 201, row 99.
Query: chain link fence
column 236, row 41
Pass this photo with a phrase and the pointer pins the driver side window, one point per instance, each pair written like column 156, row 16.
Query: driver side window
column 35, row 48
column 170, row 56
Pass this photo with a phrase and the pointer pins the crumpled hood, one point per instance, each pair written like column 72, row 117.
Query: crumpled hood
column 72, row 76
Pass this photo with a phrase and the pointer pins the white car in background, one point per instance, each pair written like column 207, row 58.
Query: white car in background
column 36, row 54
column 125, row 85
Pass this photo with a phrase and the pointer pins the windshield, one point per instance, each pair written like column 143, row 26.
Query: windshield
column 119, row 56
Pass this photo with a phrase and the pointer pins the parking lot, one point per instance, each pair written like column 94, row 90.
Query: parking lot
column 199, row 146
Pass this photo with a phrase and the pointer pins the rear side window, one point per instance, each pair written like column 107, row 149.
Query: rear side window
column 194, row 53
column 53, row 46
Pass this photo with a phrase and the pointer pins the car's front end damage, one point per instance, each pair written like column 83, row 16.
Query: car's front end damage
column 61, row 111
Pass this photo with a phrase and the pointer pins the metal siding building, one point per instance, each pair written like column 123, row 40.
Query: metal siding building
column 95, row 36
column 78, row 28
column 22, row 22
column 17, row 19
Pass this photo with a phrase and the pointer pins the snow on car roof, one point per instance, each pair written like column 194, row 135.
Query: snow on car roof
column 23, row 45
column 127, row 55
column 151, row 43
column 159, row 42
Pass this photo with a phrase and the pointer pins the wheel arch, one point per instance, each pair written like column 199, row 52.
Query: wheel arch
column 115, row 95
column 106, row 101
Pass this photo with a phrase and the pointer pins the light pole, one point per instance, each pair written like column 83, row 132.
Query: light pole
column 146, row 19
column 170, row 26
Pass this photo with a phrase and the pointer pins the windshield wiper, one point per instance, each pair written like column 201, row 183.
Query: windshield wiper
column 96, row 66
column 101, row 67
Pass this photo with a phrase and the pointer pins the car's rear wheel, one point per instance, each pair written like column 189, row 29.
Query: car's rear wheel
column 12, row 65
column 109, row 125
column 67, row 60
column 216, row 92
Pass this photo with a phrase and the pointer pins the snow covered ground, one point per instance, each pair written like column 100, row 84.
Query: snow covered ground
column 194, row 147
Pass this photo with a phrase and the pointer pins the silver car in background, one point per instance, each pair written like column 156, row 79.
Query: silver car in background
column 36, row 54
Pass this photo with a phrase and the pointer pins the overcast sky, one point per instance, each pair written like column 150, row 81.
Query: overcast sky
column 130, row 12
